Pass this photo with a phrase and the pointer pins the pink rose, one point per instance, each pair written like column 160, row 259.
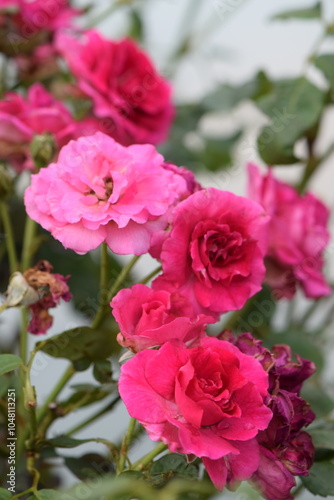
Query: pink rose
column 206, row 401
column 100, row 191
column 149, row 318
column 21, row 119
column 214, row 252
column 297, row 236
column 32, row 22
column 132, row 100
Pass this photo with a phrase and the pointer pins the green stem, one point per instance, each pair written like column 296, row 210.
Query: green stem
column 151, row 275
column 9, row 237
column 121, row 277
column 146, row 459
column 24, row 334
column 28, row 239
column 104, row 267
column 114, row 289
column 106, row 13
column 94, row 417
column 312, row 166
column 187, row 22
column 125, row 444
column 309, row 312
column 70, row 371
column 19, row 495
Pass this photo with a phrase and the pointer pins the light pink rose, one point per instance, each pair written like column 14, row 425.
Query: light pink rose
column 100, row 191
column 214, row 252
column 21, row 119
column 297, row 236
column 206, row 401
column 149, row 318
column 132, row 100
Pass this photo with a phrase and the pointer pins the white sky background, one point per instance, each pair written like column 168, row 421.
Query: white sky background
column 236, row 45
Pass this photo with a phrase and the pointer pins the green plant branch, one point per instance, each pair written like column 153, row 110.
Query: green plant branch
column 121, row 277
column 114, row 289
column 151, row 275
column 28, row 243
column 146, row 459
column 68, row 374
column 94, row 417
column 102, row 16
column 125, row 444
column 104, row 267
column 9, row 237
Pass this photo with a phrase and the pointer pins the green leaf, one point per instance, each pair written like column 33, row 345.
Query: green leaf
column 217, row 152
column 294, row 107
column 45, row 495
column 175, row 150
column 66, row 442
column 314, row 12
column 226, row 97
column 136, row 30
column 325, row 62
column 319, row 400
column 9, row 362
column 89, row 466
column 102, row 371
column 81, row 344
column 320, row 480
column 175, row 464
column 322, row 438
column 86, row 396
column 5, row 494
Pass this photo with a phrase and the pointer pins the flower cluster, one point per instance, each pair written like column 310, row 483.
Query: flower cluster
column 226, row 400
column 297, row 236
column 125, row 97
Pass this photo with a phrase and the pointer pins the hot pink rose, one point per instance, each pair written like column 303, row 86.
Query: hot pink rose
column 205, row 401
column 214, row 252
column 297, row 236
column 21, row 119
column 149, row 318
column 27, row 23
column 100, row 191
column 132, row 100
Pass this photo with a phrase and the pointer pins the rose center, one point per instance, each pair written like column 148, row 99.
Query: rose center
column 224, row 248
column 104, row 192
